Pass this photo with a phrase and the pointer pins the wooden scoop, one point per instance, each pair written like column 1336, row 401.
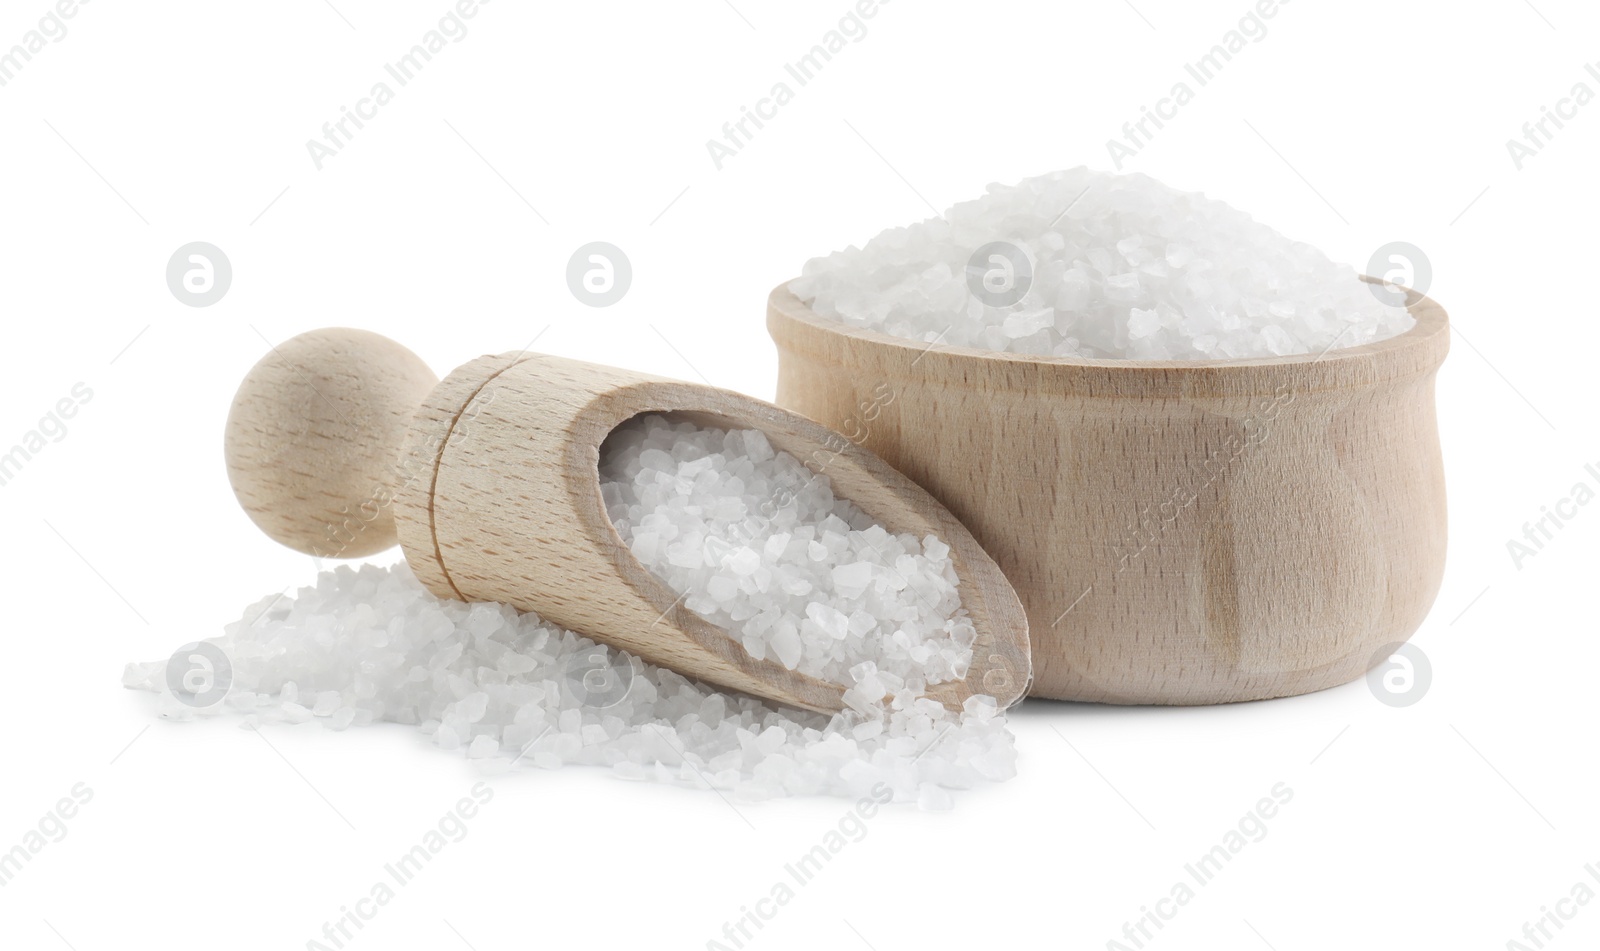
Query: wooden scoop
column 342, row 442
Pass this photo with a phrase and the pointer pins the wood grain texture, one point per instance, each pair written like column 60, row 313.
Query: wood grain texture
column 313, row 435
column 500, row 500
column 1179, row 532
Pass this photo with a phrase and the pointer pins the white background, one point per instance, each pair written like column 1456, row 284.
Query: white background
column 1447, row 824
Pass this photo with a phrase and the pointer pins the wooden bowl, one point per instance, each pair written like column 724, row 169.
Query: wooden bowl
column 1179, row 532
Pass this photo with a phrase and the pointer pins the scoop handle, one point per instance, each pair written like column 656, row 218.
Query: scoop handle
column 314, row 437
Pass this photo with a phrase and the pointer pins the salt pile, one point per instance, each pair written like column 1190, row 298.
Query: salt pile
column 370, row 644
column 1112, row 266
column 761, row 547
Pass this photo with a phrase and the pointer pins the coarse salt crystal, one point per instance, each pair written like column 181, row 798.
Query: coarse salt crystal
column 1108, row 253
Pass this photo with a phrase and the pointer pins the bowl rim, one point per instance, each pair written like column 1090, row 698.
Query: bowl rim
column 1425, row 343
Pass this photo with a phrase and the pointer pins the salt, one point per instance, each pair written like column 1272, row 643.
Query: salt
column 769, row 554
column 506, row 687
column 1120, row 267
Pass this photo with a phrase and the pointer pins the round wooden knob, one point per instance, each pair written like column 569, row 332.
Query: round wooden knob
column 314, row 437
